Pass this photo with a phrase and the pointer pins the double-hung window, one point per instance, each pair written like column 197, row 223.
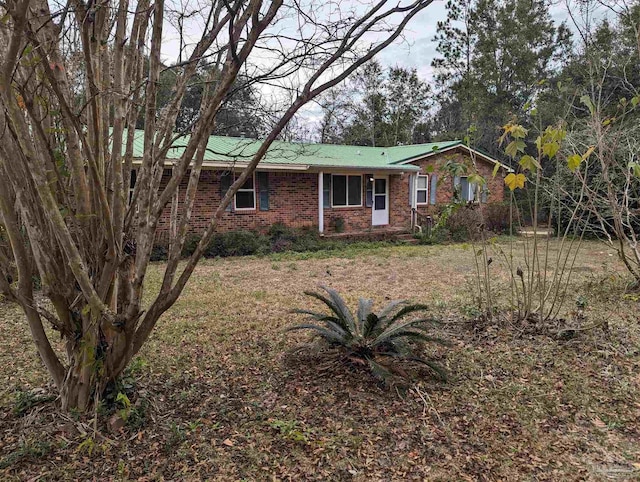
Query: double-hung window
column 422, row 190
column 466, row 189
column 245, row 198
column 246, row 195
column 346, row 190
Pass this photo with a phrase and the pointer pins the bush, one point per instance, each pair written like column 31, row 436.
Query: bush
column 437, row 236
column 337, row 224
column 496, row 218
column 279, row 231
column 464, row 224
column 237, row 243
column 159, row 252
column 190, row 245
column 279, row 238
column 376, row 340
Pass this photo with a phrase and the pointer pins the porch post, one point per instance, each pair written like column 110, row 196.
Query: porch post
column 320, row 202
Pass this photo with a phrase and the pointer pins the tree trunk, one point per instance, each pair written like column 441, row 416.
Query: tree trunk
column 95, row 359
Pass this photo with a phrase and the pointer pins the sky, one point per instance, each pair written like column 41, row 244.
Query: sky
column 419, row 49
column 416, row 50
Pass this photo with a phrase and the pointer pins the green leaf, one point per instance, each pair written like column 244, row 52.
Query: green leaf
column 477, row 179
column 574, row 161
column 514, row 147
column 539, row 143
column 496, row 168
column 635, row 100
column 550, row 149
column 528, row 163
column 518, row 132
column 364, row 310
column 429, row 169
column 586, row 100
column 635, row 168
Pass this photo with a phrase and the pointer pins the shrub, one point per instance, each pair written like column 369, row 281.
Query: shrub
column 338, row 224
column 237, row 243
column 281, row 231
column 190, row 245
column 437, row 236
column 158, row 253
column 464, row 223
column 496, row 217
column 372, row 339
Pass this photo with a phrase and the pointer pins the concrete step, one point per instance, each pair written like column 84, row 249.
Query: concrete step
column 540, row 233
column 406, row 238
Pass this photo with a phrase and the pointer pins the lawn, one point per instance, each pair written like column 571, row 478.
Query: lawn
column 217, row 396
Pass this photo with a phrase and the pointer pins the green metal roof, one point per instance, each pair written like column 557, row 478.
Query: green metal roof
column 239, row 150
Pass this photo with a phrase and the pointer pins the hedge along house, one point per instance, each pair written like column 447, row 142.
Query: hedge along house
column 330, row 187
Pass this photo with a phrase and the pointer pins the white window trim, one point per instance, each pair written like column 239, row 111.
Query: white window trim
column 469, row 191
column 340, row 206
column 425, row 189
column 253, row 191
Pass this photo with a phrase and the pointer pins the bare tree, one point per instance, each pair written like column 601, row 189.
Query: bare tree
column 73, row 80
column 605, row 127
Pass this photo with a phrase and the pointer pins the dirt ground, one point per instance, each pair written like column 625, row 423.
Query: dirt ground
column 215, row 394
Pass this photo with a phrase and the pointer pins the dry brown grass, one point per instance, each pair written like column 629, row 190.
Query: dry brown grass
column 225, row 403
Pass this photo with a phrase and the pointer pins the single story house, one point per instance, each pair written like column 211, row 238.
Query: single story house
column 327, row 186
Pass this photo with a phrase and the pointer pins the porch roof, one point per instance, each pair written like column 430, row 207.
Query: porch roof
column 221, row 151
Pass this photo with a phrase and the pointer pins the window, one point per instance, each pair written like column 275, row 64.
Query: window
column 246, row 195
column 422, row 190
column 484, row 193
column 346, row 190
column 245, row 198
column 465, row 189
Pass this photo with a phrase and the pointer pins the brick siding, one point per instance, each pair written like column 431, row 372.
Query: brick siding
column 293, row 200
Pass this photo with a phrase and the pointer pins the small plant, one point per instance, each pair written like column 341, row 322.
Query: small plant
column 372, row 339
column 124, row 404
column 25, row 401
column 290, row 430
column 338, row 224
column 28, row 449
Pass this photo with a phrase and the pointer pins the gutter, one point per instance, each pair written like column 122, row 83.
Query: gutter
column 297, row 167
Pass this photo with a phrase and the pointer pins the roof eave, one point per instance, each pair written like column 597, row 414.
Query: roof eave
column 456, row 146
column 295, row 167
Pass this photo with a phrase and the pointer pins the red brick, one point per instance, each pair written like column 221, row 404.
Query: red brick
column 293, row 199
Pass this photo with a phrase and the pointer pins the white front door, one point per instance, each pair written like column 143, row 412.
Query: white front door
column 380, row 209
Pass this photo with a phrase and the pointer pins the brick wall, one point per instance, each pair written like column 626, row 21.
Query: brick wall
column 400, row 211
column 293, row 199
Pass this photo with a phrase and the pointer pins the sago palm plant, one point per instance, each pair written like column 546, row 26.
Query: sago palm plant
column 373, row 339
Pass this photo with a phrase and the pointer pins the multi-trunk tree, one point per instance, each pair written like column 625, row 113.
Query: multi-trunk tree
column 74, row 80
